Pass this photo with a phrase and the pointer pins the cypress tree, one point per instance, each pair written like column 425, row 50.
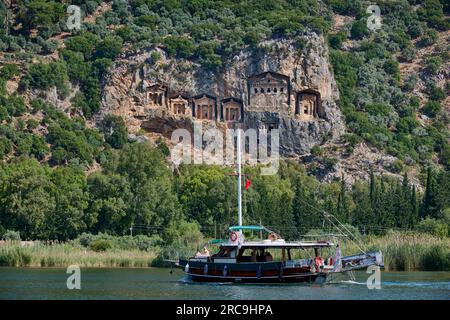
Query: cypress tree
column 373, row 189
column 442, row 194
column 362, row 213
column 303, row 204
column 429, row 207
column 404, row 208
column 414, row 208
column 374, row 214
column 385, row 205
column 397, row 192
column 342, row 207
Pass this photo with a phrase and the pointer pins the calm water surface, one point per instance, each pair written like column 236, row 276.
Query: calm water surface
column 42, row 283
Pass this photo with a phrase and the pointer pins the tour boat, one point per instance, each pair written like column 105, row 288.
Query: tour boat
column 232, row 264
column 252, row 261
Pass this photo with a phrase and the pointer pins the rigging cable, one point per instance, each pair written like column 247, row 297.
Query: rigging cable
column 338, row 226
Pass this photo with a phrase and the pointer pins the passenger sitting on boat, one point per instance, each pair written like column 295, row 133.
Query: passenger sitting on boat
column 205, row 253
column 329, row 261
column 239, row 255
column 268, row 256
column 318, row 262
column 260, row 256
column 272, row 237
column 253, row 258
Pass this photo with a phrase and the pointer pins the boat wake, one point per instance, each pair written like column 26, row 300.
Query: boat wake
column 186, row 280
column 349, row 282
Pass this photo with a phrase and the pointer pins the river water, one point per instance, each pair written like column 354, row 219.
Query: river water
column 50, row 283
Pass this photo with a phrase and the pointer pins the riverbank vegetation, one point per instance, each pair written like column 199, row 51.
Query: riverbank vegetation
column 407, row 251
column 171, row 212
column 60, row 178
column 100, row 250
column 64, row 255
column 90, row 218
column 137, row 190
column 403, row 251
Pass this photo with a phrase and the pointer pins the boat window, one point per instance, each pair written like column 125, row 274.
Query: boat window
column 268, row 257
column 260, row 256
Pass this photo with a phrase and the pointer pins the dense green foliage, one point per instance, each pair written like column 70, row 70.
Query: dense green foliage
column 47, row 193
column 115, row 131
column 137, row 190
column 69, row 139
column 376, row 106
column 45, row 76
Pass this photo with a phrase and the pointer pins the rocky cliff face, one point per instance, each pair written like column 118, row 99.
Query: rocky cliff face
column 303, row 67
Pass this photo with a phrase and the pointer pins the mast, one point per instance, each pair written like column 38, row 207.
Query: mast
column 239, row 177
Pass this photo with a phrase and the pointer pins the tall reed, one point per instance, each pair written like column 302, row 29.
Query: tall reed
column 407, row 251
column 63, row 255
column 401, row 250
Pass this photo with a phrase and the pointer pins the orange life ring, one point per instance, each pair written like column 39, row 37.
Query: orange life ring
column 233, row 236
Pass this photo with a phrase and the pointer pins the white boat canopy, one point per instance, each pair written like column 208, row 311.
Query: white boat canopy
column 280, row 244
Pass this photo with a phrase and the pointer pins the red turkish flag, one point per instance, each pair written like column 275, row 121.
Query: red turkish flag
column 247, row 183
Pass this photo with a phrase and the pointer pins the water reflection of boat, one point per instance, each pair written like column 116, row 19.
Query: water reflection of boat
column 239, row 260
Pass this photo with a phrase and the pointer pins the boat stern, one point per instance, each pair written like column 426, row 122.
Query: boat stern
column 363, row 260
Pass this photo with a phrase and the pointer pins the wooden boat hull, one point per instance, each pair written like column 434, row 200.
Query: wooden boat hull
column 294, row 279
column 268, row 272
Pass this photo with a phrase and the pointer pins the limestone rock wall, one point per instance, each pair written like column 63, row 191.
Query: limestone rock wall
column 305, row 67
